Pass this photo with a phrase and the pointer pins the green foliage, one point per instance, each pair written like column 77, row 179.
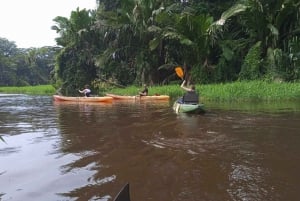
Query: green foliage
column 22, row 67
column 266, row 21
column 75, row 62
column 143, row 40
column 133, row 42
column 252, row 91
column 171, row 90
column 274, row 61
column 292, row 59
column 33, row 90
column 251, row 67
column 241, row 91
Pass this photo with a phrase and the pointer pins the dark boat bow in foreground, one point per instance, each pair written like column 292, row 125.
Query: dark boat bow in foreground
column 123, row 195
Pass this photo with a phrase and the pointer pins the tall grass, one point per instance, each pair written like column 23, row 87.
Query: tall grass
column 171, row 90
column 229, row 92
column 237, row 91
column 251, row 91
column 34, row 90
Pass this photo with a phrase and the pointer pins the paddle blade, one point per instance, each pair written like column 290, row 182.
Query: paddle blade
column 179, row 72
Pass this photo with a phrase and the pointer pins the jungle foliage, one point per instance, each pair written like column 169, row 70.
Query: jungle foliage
column 131, row 42
column 25, row 67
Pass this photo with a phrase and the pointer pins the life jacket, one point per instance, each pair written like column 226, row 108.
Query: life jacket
column 191, row 97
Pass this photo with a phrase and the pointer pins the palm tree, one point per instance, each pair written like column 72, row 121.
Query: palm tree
column 75, row 62
column 184, row 36
column 275, row 24
column 127, row 38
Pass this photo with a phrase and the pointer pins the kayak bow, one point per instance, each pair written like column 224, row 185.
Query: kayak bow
column 123, row 195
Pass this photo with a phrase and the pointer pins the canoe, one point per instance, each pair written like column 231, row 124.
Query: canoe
column 188, row 108
column 123, row 195
column 143, row 98
column 83, row 99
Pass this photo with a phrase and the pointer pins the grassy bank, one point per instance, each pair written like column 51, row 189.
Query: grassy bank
column 237, row 91
column 251, row 91
column 33, row 90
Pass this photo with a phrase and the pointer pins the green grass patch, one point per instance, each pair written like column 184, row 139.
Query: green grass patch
column 236, row 91
column 171, row 90
column 229, row 92
column 34, row 90
column 251, row 91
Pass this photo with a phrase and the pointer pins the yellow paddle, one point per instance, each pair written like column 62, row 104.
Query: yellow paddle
column 179, row 72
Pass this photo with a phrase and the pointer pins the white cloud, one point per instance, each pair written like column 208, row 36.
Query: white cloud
column 28, row 22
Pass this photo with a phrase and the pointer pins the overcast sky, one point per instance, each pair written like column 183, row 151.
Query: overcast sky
column 28, row 22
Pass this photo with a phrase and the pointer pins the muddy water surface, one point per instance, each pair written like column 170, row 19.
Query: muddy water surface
column 68, row 151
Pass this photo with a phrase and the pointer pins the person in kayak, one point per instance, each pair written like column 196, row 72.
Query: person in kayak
column 86, row 91
column 190, row 97
column 191, row 89
column 144, row 92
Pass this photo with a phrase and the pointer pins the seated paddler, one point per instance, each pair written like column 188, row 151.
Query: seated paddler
column 191, row 96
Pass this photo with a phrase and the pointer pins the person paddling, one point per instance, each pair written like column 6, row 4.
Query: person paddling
column 191, row 89
column 190, row 97
column 86, row 91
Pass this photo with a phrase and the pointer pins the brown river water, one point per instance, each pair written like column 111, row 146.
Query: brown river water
column 87, row 152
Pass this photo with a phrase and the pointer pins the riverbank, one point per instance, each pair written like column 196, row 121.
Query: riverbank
column 229, row 92
column 32, row 90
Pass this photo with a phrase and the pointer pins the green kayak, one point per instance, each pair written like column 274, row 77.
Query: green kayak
column 188, row 108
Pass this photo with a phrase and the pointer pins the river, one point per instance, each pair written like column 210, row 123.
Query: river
column 67, row 151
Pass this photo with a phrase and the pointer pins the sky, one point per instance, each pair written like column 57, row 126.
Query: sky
column 28, row 22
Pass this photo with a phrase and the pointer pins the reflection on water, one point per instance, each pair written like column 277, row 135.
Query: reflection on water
column 259, row 107
column 75, row 151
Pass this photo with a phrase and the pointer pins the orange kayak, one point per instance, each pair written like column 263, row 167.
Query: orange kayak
column 83, row 99
column 150, row 98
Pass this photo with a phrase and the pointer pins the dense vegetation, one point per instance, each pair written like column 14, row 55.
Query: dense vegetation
column 131, row 42
column 25, row 67
column 32, row 90
column 243, row 91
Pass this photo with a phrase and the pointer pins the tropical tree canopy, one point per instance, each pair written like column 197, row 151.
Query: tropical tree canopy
column 131, row 42
column 21, row 67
